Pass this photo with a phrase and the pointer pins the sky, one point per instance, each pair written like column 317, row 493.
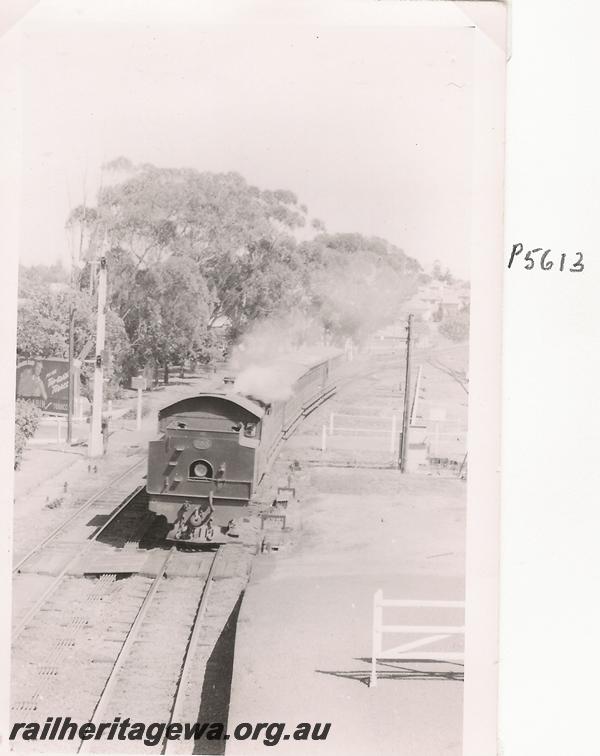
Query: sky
column 368, row 121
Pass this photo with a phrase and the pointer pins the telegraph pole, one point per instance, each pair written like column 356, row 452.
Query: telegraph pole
column 96, row 446
column 406, row 409
column 71, row 402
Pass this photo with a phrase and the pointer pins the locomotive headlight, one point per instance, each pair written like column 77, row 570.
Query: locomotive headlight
column 200, row 470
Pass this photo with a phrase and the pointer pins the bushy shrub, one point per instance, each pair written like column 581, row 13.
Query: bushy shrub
column 456, row 328
column 27, row 418
column 20, row 442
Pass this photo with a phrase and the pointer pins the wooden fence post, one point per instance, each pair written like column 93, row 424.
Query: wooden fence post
column 376, row 643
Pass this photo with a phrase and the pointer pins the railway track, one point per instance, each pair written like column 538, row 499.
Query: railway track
column 136, row 647
column 157, row 654
column 102, row 502
column 38, row 573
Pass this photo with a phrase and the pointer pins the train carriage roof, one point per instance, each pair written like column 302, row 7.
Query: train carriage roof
column 193, row 403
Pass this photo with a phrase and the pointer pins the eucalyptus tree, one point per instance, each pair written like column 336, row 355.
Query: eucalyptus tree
column 239, row 238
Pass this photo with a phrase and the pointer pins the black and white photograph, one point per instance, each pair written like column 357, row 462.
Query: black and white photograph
column 256, row 377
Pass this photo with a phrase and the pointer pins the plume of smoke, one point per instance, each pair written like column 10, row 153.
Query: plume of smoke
column 268, row 383
column 273, row 355
column 278, row 338
column 350, row 298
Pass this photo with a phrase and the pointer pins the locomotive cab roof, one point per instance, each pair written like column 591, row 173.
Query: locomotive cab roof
column 223, row 403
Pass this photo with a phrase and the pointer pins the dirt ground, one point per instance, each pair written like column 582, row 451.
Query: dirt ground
column 357, row 531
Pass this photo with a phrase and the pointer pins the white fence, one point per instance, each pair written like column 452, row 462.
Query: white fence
column 429, row 633
column 372, row 427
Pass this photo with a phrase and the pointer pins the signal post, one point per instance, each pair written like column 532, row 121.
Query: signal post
column 139, row 383
column 96, row 445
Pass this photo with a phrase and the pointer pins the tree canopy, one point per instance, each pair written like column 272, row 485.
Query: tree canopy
column 456, row 328
column 43, row 322
column 192, row 255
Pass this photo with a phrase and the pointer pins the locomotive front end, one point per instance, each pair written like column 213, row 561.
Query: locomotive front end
column 203, row 470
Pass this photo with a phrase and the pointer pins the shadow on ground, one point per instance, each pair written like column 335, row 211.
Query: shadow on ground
column 400, row 670
column 216, row 690
column 136, row 523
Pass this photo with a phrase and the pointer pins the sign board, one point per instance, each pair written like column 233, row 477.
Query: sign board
column 138, row 382
column 45, row 382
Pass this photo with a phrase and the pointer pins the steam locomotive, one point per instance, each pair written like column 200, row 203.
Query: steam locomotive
column 216, row 447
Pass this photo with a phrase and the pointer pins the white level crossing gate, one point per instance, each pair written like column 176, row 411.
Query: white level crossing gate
column 413, row 648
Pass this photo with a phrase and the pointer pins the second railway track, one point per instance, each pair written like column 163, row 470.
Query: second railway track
column 38, row 573
column 100, row 503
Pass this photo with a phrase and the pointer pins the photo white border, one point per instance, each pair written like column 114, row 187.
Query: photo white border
column 480, row 702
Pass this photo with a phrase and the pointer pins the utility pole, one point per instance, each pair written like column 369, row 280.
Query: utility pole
column 71, row 402
column 96, row 445
column 406, row 409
